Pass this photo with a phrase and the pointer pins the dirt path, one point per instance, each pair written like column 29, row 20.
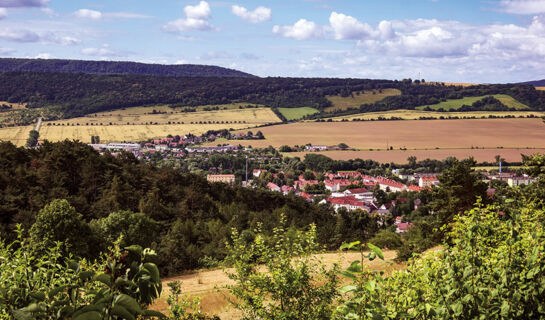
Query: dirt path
column 210, row 284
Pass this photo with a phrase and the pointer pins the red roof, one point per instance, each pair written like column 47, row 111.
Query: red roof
column 272, row 186
column 429, row 178
column 415, row 188
column 357, row 190
column 341, row 182
column 404, row 226
column 306, row 195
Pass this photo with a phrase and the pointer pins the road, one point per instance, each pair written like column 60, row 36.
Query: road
column 38, row 124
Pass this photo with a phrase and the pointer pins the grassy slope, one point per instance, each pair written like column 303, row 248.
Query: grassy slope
column 457, row 103
column 297, row 113
column 370, row 96
column 415, row 114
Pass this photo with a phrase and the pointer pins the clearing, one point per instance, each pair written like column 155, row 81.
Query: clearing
column 209, row 284
column 458, row 103
column 297, row 113
column 359, row 98
column 416, row 114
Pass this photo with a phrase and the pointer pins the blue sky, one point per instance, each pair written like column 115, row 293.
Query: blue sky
column 440, row 40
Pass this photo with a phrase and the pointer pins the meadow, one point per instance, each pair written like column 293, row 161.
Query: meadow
column 138, row 124
column 416, row 114
column 457, row 103
column 359, row 98
column 297, row 113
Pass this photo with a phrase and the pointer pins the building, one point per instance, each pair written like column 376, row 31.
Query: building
column 258, row 172
column 273, row 187
column 518, row 181
column 316, row 148
column 224, row 178
column 427, row 182
column 336, row 184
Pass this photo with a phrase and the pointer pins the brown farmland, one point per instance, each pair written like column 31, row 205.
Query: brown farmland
column 496, row 134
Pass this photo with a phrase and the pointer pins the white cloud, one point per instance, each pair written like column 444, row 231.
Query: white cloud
column 301, row 30
column 347, row 27
column 88, row 14
column 103, row 51
column 3, row 13
column 18, row 35
column 49, row 12
column 23, row 3
column 259, row 14
column 43, row 55
column 200, row 11
column 385, row 30
column 45, row 37
column 523, row 6
column 196, row 18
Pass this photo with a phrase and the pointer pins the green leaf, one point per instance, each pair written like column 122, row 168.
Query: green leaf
column 505, row 308
column 119, row 310
column 91, row 315
column 136, row 249
column 40, row 296
column 104, row 278
column 355, row 267
column 128, row 303
column 348, row 288
column 153, row 313
column 376, row 250
column 154, row 271
column 350, row 245
column 85, row 275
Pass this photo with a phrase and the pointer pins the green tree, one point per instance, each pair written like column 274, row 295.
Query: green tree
column 135, row 228
column 59, row 221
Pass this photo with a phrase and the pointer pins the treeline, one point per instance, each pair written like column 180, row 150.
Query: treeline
column 116, row 67
column 184, row 218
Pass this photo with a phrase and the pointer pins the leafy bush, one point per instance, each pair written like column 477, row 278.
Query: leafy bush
column 386, row 239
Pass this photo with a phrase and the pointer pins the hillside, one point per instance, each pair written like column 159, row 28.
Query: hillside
column 116, row 67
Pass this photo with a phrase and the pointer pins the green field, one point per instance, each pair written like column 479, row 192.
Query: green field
column 454, row 104
column 296, row 113
column 359, row 98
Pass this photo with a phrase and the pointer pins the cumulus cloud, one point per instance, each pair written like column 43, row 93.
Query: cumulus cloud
column 347, row 27
column 103, row 51
column 301, row 30
column 43, row 55
column 523, row 6
column 88, row 14
column 23, row 3
column 19, row 35
column 259, row 14
column 3, row 13
column 45, row 37
column 196, row 18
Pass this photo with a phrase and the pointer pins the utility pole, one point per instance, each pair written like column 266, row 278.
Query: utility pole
column 246, row 184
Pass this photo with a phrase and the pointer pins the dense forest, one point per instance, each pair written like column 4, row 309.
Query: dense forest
column 116, row 67
column 78, row 94
column 182, row 216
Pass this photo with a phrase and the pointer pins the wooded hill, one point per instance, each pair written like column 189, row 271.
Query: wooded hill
column 117, row 67
column 78, row 94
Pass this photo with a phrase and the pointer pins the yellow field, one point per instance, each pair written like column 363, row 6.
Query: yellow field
column 370, row 96
column 165, row 108
column 540, row 88
column 461, row 84
column 136, row 124
column 17, row 135
column 415, row 114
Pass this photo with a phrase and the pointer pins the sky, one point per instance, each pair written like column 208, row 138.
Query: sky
column 477, row 41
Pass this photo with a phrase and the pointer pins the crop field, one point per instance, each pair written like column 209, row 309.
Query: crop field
column 17, row 135
column 165, row 108
column 416, row 114
column 138, row 124
column 370, row 96
column 296, row 113
column 457, row 103
column 540, row 88
column 424, row 135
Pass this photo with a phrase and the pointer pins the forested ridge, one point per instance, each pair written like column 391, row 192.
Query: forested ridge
column 78, row 94
column 116, row 67
column 182, row 216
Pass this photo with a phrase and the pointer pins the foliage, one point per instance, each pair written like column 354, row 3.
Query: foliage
column 48, row 285
column 386, row 239
column 291, row 284
column 32, row 140
column 182, row 307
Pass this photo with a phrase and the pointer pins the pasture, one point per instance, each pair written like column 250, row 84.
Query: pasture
column 447, row 135
column 457, row 103
column 359, row 98
column 296, row 113
column 416, row 114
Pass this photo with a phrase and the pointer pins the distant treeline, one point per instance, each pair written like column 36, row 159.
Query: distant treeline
column 116, row 67
column 78, row 94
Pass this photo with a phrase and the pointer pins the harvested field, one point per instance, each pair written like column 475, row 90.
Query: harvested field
column 457, row 103
column 16, row 135
column 410, row 134
column 400, row 156
column 207, row 284
column 540, row 88
column 416, row 114
column 370, row 96
column 296, row 113
column 139, row 126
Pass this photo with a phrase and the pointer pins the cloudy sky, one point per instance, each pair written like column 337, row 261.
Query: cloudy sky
column 444, row 40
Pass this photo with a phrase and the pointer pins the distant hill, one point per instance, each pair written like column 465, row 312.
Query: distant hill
column 117, row 67
column 535, row 83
